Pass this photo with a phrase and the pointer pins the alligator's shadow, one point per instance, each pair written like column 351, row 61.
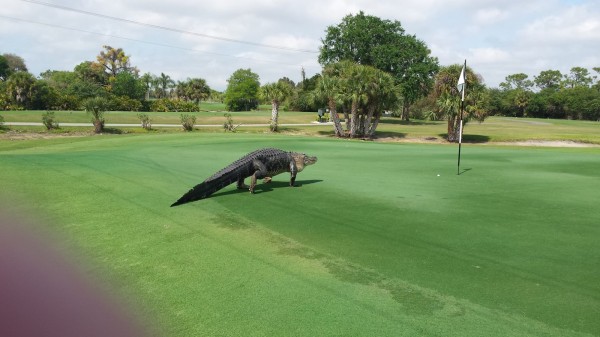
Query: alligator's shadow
column 262, row 188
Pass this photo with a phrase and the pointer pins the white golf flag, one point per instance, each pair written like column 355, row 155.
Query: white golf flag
column 461, row 81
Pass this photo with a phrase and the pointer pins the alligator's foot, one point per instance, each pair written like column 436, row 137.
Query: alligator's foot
column 267, row 180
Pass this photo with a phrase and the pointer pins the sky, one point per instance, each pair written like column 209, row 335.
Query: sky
column 275, row 39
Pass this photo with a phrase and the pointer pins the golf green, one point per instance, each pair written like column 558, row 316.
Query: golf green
column 379, row 240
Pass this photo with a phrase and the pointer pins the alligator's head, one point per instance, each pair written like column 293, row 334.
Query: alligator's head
column 303, row 160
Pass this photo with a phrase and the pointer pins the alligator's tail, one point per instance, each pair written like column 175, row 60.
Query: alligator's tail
column 206, row 188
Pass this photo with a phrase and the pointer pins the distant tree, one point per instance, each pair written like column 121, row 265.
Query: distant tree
column 114, row 61
column 276, row 93
column 383, row 44
column 163, row 85
column 547, row 103
column 128, row 85
column 582, row 102
column 303, row 75
column 216, row 96
column 548, row 79
column 578, row 77
column 5, row 70
column 516, row 81
column 303, row 98
column 242, row 91
column 43, row 96
column 18, row 87
column 193, row 89
column 597, row 85
column 15, row 62
column 147, row 80
column 288, row 81
column 87, row 72
column 516, row 92
column 66, row 85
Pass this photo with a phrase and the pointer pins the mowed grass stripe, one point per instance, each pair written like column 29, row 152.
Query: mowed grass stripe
column 374, row 242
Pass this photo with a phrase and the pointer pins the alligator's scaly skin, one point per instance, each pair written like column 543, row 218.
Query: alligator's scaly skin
column 260, row 164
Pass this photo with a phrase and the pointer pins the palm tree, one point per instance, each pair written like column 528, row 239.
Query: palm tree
column 164, row 83
column 328, row 88
column 96, row 107
column 447, row 98
column 276, row 93
column 147, row 79
column 382, row 96
column 198, row 89
column 19, row 85
column 355, row 86
column 363, row 90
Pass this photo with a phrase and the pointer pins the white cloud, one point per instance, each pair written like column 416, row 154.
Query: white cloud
column 497, row 38
column 489, row 16
column 488, row 55
column 576, row 24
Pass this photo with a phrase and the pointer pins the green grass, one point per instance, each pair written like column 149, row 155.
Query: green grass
column 374, row 242
column 212, row 114
column 494, row 129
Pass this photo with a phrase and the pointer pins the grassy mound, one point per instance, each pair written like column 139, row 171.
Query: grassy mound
column 380, row 239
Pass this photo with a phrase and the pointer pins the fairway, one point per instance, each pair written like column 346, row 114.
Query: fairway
column 380, row 239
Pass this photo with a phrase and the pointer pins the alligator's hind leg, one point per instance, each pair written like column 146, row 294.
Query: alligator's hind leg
column 241, row 185
column 261, row 172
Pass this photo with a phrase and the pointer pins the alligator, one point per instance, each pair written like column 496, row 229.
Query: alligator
column 260, row 164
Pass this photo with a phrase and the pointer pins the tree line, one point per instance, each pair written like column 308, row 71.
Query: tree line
column 370, row 66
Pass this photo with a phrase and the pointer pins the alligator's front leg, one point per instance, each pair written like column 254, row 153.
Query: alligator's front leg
column 293, row 173
column 259, row 173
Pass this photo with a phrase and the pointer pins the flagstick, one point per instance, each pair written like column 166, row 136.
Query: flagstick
column 462, row 80
column 460, row 135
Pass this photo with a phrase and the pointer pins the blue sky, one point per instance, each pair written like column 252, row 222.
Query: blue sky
column 497, row 38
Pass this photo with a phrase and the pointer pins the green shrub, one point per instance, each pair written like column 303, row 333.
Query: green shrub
column 48, row 119
column 228, row 125
column 124, row 103
column 145, row 120
column 187, row 121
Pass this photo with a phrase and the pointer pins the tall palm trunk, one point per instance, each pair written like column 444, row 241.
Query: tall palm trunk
column 346, row 118
column 274, row 115
column 374, row 126
column 405, row 112
column 453, row 128
column 367, row 126
column 339, row 132
column 353, row 118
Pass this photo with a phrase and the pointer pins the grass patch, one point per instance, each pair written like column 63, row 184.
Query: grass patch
column 494, row 129
column 374, row 242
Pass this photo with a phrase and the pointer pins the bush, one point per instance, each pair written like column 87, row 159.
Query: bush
column 49, row 121
column 187, row 121
column 145, row 120
column 228, row 125
column 123, row 103
column 241, row 104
